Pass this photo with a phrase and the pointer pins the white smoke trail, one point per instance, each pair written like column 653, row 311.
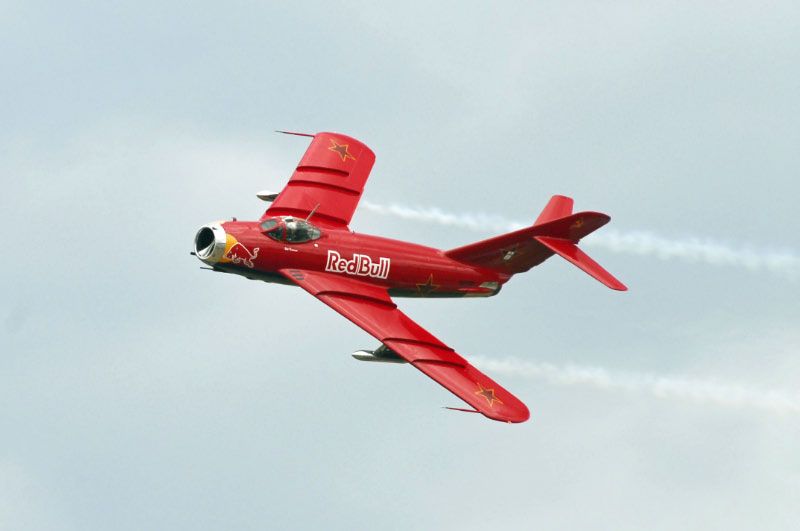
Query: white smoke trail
column 665, row 387
column 784, row 263
column 477, row 222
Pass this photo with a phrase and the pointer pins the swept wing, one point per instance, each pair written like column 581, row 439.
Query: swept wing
column 328, row 180
column 371, row 308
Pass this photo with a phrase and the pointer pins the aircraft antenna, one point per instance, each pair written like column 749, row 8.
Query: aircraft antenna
column 294, row 133
column 312, row 212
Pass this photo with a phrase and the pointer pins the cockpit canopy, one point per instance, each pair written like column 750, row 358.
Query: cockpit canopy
column 289, row 229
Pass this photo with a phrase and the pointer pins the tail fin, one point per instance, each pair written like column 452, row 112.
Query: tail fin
column 559, row 206
column 556, row 231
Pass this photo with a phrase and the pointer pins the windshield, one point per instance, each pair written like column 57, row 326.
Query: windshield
column 269, row 225
column 273, row 229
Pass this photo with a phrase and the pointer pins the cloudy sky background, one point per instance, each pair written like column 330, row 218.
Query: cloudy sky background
column 140, row 392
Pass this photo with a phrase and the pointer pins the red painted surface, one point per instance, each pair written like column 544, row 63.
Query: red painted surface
column 356, row 274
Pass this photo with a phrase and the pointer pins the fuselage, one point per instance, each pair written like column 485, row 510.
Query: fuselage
column 405, row 269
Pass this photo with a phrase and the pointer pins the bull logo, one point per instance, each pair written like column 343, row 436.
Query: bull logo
column 239, row 254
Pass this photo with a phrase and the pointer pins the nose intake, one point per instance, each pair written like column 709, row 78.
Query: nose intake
column 209, row 243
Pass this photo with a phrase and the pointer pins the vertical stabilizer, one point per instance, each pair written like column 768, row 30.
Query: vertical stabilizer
column 559, row 206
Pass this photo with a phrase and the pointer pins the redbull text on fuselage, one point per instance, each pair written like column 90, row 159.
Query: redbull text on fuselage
column 360, row 265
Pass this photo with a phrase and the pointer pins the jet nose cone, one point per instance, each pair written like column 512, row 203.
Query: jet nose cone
column 209, row 243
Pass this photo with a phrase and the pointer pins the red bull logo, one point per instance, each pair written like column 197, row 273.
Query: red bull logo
column 360, row 265
column 239, row 254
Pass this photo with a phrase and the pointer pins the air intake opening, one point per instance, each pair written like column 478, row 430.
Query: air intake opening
column 204, row 242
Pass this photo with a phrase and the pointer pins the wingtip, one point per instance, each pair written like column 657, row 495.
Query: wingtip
column 515, row 413
column 522, row 415
column 515, row 416
column 617, row 285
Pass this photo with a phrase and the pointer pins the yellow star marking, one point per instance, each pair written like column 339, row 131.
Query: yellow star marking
column 488, row 394
column 578, row 223
column 341, row 150
column 428, row 286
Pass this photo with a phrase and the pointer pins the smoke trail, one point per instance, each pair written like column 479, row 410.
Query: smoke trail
column 477, row 222
column 783, row 263
column 666, row 387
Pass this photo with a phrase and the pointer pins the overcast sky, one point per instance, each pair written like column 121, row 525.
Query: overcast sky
column 138, row 391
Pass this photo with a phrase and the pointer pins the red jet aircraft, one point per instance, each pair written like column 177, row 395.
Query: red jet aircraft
column 303, row 239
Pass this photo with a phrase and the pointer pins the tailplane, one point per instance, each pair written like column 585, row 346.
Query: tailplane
column 556, row 231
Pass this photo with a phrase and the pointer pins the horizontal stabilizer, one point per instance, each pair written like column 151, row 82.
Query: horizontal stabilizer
column 556, row 231
column 570, row 252
column 519, row 251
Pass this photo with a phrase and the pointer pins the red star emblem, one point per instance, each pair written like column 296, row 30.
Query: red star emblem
column 341, row 150
column 488, row 394
column 427, row 287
